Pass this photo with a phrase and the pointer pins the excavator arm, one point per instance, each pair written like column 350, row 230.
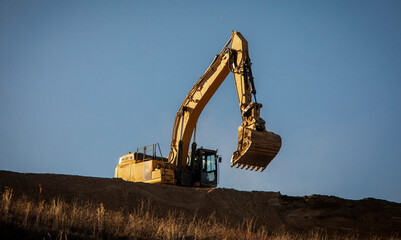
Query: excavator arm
column 256, row 146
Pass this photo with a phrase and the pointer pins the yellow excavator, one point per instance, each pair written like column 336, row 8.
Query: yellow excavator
column 198, row 166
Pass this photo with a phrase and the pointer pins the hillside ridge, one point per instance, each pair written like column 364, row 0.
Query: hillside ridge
column 270, row 209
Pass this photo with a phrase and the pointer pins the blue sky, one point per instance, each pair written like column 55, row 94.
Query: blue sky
column 83, row 82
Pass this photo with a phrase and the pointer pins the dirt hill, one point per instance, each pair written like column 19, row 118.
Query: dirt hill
column 270, row 209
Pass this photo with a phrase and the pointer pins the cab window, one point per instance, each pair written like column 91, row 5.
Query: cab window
column 211, row 163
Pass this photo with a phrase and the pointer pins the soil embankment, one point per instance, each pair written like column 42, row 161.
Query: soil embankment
column 270, row 209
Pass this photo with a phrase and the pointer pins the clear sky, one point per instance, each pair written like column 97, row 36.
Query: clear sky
column 83, row 82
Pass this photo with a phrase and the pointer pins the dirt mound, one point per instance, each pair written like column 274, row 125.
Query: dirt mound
column 271, row 209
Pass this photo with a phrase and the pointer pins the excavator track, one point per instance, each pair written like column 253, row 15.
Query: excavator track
column 256, row 149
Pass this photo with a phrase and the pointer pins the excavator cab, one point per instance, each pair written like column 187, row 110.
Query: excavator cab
column 208, row 169
column 202, row 168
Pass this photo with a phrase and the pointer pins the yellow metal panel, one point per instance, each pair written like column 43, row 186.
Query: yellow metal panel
column 145, row 171
column 124, row 171
column 156, row 174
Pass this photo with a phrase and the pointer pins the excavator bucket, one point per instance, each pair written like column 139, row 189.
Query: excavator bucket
column 256, row 149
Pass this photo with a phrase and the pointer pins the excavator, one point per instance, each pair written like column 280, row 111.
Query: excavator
column 198, row 167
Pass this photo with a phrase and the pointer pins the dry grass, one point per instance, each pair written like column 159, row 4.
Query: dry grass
column 6, row 202
column 57, row 219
